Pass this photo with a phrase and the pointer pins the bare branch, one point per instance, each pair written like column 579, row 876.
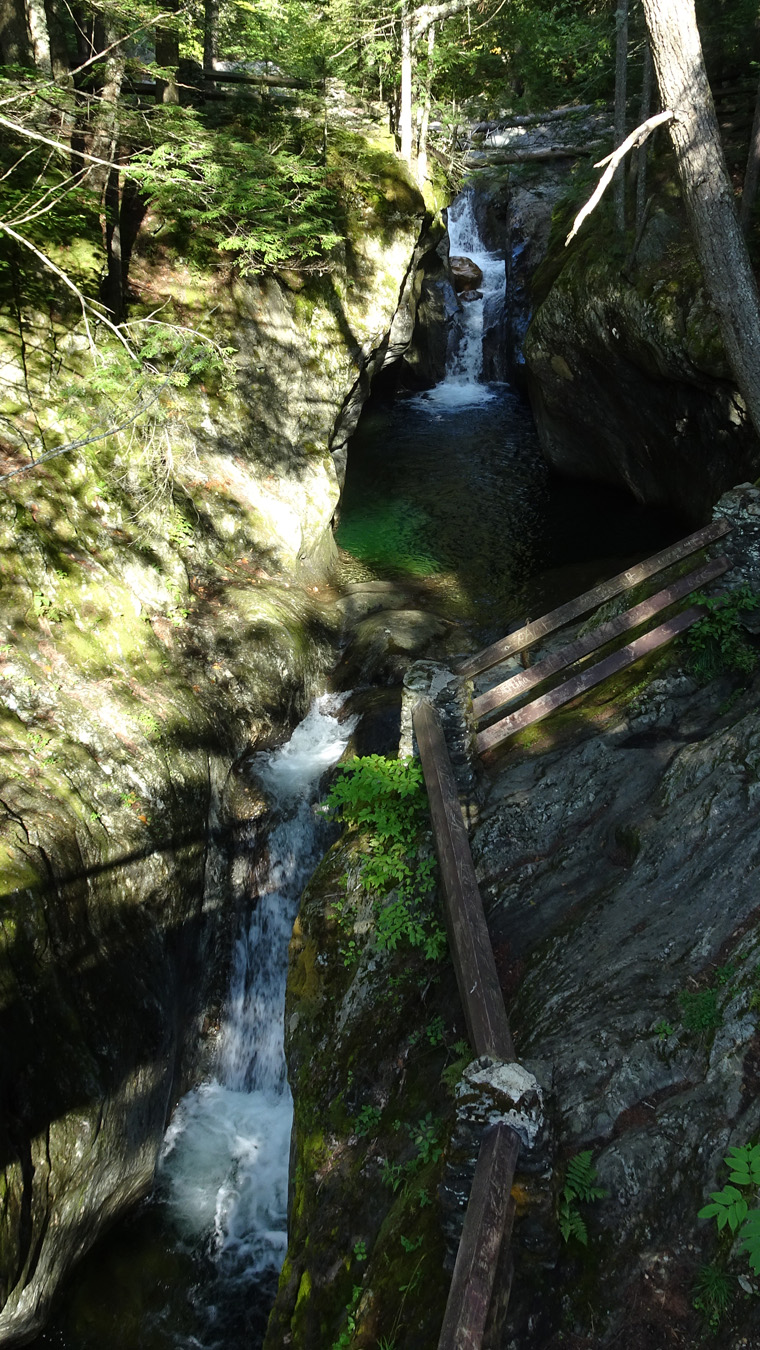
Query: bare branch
column 57, row 145
column 84, row 302
column 636, row 138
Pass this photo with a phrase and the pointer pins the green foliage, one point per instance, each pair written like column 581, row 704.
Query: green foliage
column 699, row 1009
column 367, row 1120
column 730, row 1207
column 711, row 1294
column 663, row 1030
column 258, row 192
column 360, row 1251
column 717, row 643
column 386, row 798
column 580, row 1186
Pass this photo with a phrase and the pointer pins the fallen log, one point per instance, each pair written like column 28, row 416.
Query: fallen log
column 534, row 119
column 481, row 158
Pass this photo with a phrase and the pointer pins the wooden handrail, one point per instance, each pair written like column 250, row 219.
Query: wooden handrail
column 494, row 736
column 495, row 699
column 480, row 1285
column 582, row 604
column 471, row 951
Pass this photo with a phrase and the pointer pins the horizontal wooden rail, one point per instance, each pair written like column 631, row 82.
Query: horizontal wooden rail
column 480, row 1285
column 495, row 699
column 471, row 951
column 606, row 590
column 501, row 731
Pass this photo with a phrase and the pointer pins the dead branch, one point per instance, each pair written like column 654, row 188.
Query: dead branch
column 635, row 139
column 481, row 158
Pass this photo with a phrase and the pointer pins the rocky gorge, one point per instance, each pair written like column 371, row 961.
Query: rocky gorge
column 144, row 664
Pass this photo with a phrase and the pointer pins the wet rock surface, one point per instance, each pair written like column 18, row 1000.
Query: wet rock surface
column 627, row 375
column 153, row 632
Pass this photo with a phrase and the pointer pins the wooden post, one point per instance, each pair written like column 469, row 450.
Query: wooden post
column 480, row 1285
column 471, row 951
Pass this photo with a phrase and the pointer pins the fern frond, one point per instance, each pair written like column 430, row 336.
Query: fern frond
column 582, row 1178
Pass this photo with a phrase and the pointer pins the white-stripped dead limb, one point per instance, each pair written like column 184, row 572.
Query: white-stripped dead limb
column 631, row 142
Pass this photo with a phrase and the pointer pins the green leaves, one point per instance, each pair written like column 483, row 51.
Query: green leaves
column 716, row 642
column 386, row 798
column 580, row 1185
column 730, row 1207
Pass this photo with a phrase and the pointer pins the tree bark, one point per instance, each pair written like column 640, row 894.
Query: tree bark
column 621, row 95
column 422, row 150
column 647, row 82
column 210, row 37
column 706, row 187
column 752, row 173
column 106, row 180
column 167, row 56
column 14, row 39
column 405, row 110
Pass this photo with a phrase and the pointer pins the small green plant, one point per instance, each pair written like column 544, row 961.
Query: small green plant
column 367, row 1120
column 360, row 1251
column 711, row 1294
column 580, row 1185
column 436, row 1031
column 410, row 1245
column 386, row 798
column 717, row 643
column 663, row 1030
column 349, row 1330
column 425, row 1136
column 729, row 1207
column 149, row 724
column 699, row 1009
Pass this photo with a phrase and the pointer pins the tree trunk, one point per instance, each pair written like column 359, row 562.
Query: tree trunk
column 167, row 56
column 210, row 37
column 106, row 181
column 752, row 173
column 706, row 187
column 14, row 40
column 422, row 151
column 405, row 110
column 647, row 82
column 621, row 91
column 37, row 20
column 59, row 51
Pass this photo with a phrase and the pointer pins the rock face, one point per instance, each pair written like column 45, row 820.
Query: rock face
column 627, row 374
column 161, row 615
column 618, row 853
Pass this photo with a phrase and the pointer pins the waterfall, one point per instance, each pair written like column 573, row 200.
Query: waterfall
column 463, row 383
column 224, row 1165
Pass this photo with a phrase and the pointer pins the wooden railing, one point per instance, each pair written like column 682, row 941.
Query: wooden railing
column 480, row 1285
column 496, row 699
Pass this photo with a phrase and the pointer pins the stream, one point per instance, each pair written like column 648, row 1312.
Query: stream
column 447, row 497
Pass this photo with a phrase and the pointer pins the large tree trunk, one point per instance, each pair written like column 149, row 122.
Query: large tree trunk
column 106, row 181
column 37, row 20
column 422, row 150
column 167, row 56
column 621, row 96
column 647, row 81
column 14, row 39
column 405, row 110
column 210, row 38
column 752, row 173
column 709, row 199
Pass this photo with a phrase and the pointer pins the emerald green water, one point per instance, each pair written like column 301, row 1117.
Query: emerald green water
column 456, row 504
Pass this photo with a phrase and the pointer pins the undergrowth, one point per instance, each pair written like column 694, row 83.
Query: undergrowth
column 386, row 799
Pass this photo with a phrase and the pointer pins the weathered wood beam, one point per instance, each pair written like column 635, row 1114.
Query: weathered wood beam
column 494, row 736
column 606, row 590
column 479, row 1293
column 470, row 944
column 495, row 699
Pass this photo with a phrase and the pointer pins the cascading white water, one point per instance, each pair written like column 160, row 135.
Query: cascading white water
column 226, row 1152
column 463, row 384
